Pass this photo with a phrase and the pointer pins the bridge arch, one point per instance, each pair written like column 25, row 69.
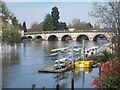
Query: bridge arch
column 66, row 37
column 100, row 37
column 38, row 37
column 29, row 37
column 52, row 38
column 81, row 37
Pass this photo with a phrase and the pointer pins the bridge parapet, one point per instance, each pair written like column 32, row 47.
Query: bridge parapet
column 90, row 34
column 66, row 31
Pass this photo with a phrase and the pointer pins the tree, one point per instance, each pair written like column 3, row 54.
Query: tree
column 37, row 27
column 80, row 25
column 55, row 17
column 20, row 26
column 48, row 23
column 90, row 25
column 10, row 35
column 108, row 13
column 24, row 26
column 62, row 26
column 14, row 21
column 5, row 10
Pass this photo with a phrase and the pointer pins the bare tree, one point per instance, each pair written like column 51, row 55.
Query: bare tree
column 37, row 27
column 108, row 13
column 79, row 25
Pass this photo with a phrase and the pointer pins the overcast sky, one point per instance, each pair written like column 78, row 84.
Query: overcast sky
column 35, row 11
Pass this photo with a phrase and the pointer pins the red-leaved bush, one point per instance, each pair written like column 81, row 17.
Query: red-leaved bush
column 110, row 75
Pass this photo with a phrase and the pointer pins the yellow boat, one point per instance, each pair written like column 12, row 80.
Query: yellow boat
column 59, row 49
column 86, row 70
column 83, row 64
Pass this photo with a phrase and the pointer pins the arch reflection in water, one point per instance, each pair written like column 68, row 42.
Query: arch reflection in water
column 66, row 37
column 81, row 37
column 52, row 38
column 99, row 37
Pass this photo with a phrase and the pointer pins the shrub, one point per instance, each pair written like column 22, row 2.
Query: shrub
column 110, row 75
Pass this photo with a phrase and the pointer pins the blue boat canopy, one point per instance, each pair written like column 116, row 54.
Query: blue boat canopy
column 77, row 46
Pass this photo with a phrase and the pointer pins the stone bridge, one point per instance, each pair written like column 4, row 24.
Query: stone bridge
column 76, row 35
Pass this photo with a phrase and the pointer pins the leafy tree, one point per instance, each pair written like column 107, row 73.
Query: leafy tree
column 37, row 27
column 20, row 26
column 24, row 26
column 55, row 17
column 15, row 21
column 48, row 23
column 10, row 35
column 62, row 26
column 108, row 13
column 90, row 25
column 5, row 10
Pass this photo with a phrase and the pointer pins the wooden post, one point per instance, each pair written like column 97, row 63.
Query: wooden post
column 72, row 57
column 83, row 79
column 57, row 86
column 83, row 42
column 72, row 80
column 72, row 84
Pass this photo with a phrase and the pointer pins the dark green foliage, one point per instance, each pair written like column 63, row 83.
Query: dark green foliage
column 55, row 17
column 89, row 25
column 51, row 21
column 33, row 86
column 24, row 26
column 20, row 26
column 14, row 21
column 11, row 36
column 5, row 10
column 106, row 56
column 48, row 23
column 62, row 26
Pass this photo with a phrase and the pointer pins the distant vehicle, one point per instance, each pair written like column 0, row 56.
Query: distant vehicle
column 95, row 30
column 71, row 29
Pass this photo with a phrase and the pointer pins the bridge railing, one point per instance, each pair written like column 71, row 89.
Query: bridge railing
column 66, row 31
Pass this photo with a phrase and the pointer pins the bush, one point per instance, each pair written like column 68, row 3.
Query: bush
column 11, row 36
column 104, row 57
column 110, row 75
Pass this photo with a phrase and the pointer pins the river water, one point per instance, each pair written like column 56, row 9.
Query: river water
column 21, row 64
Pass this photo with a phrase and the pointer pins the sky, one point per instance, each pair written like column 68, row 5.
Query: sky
column 31, row 12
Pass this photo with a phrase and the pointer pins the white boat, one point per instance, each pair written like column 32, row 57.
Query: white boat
column 54, row 54
column 61, row 60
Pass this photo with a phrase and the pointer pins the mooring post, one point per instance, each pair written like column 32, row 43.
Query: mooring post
column 57, row 86
column 72, row 56
column 72, row 80
column 83, row 42
column 72, row 84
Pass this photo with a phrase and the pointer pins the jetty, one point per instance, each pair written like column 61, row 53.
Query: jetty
column 52, row 69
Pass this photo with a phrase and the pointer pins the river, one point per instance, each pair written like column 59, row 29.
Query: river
column 21, row 64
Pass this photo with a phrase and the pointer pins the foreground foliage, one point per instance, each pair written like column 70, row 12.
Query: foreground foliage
column 104, row 57
column 110, row 74
column 10, row 35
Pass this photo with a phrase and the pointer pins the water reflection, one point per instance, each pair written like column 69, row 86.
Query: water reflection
column 20, row 66
column 10, row 58
column 61, row 80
